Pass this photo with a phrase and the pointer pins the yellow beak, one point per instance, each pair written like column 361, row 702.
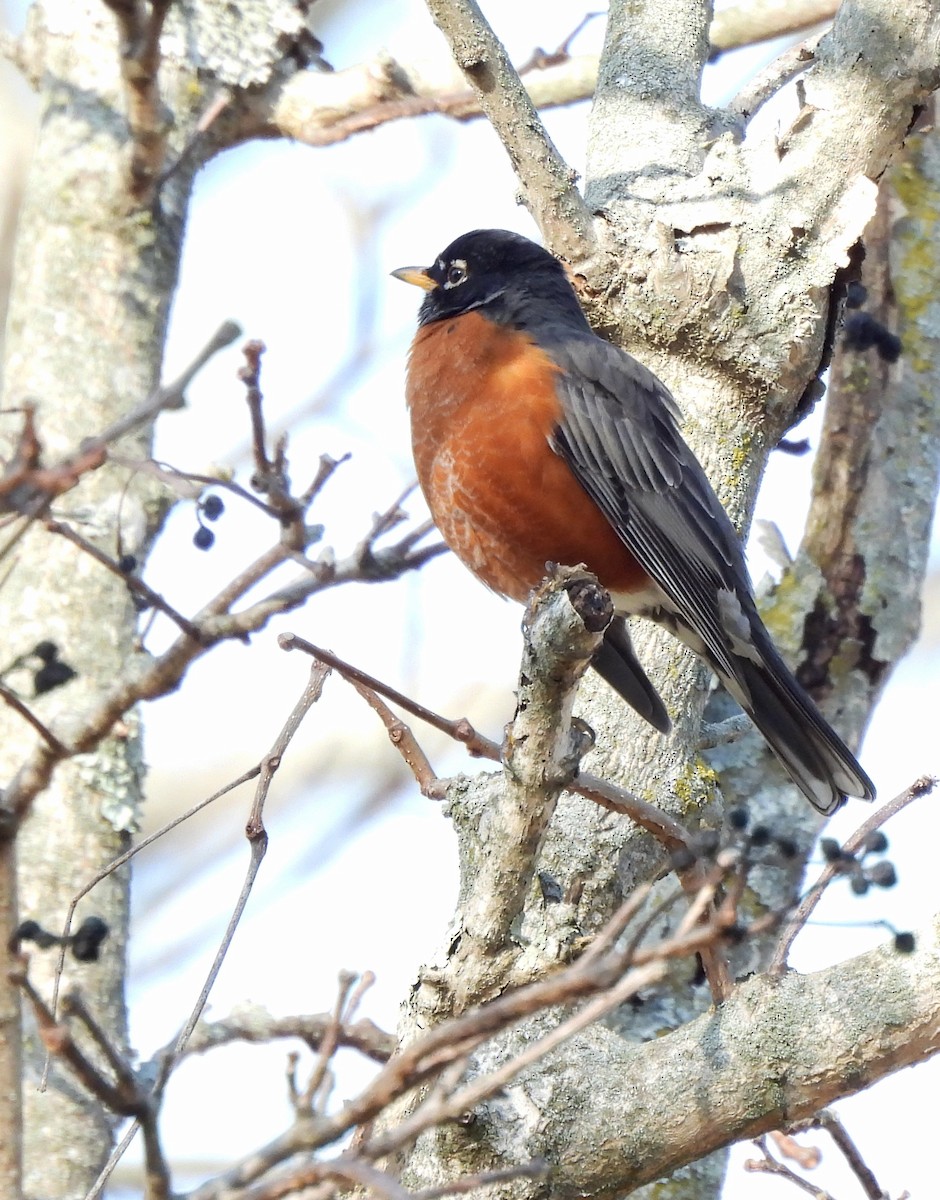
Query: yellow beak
column 417, row 275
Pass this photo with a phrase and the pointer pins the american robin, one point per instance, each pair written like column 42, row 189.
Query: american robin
column 536, row 441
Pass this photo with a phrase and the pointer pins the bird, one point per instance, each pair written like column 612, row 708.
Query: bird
column 537, row 441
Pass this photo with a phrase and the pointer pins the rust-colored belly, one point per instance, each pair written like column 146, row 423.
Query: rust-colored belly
column 483, row 407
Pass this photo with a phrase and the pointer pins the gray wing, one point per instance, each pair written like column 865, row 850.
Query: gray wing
column 620, row 436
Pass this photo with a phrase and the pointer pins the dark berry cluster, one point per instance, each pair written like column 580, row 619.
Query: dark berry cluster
column 861, row 331
column 209, row 508
column 85, row 942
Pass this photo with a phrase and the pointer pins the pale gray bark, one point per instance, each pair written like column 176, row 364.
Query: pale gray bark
column 712, row 259
column 93, row 278
column 710, row 255
column 610, row 1115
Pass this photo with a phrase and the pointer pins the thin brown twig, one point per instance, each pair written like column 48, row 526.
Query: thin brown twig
column 828, row 1121
column 215, row 108
column 168, row 396
column 10, row 697
column 257, row 1026
column 801, row 914
column 325, row 470
column 134, row 583
column 140, row 25
column 73, row 1005
column 714, row 961
column 649, row 966
column 540, row 59
column 250, row 375
column 270, row 475
column 27, row 486
column 30, row 488
column 139, row 1102
column 121, row 859
column 767, row 83
column 257, row 839
column 171, row 474
column 365, row 981
column 308, row 1099
column 606, row 976
column 535, row 1169
column 346, row 1168
column 768, row 1165
column 806, row 1157
column 663, row 827
column 162, row 674
column 404, row 741
column 58, row 1040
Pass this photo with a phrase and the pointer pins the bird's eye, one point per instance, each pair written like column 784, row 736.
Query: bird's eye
column 456, row 273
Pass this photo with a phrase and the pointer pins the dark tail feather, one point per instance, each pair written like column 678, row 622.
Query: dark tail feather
column 813, row 754
column 617, row 663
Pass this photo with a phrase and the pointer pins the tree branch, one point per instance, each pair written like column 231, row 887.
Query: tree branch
column 547, row 182
column 759, row 20
column 775, row 1052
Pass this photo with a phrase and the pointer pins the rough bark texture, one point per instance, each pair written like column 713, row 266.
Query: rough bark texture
column 91, row 290
column 94, row 275
column 711, row 254
column 614, row 1115
column 713, row 261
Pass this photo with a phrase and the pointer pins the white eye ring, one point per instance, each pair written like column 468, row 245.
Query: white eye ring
column 456, row 273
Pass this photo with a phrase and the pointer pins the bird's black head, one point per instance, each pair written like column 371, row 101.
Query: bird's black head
column 512, row 279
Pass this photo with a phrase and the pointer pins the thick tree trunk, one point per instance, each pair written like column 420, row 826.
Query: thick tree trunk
column 93, row 277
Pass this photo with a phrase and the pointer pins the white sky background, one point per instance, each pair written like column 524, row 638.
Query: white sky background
column 280, row 238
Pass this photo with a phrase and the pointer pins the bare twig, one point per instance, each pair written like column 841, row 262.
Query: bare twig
column 325, row 470
column 863, row 1173
column 169, row 396
column 181, row 481
column 920, row 787
column 807, row 1157
column 759, row 20
column 134, row 583
column 312, row 1099
column 270, row 475
column 214, row 623
column 115, row 863
column 257, row 838
column 404, row 742
column 547, row 182
column 765, row 84
column 140, row 25
column 346, row 1169
column 663, row 827
column 606, row 974
column 122, row 1098
column 469, row 1183
column 10, row 697
column 768, row 1165
column 215, row 108
column 27, row 487
column 256, row 1025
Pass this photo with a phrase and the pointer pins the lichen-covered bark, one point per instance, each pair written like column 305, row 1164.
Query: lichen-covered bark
column 91, row 289
column 712, row 261
column 94, row 274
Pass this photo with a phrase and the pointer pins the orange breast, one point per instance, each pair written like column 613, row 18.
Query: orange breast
column 483, row 407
